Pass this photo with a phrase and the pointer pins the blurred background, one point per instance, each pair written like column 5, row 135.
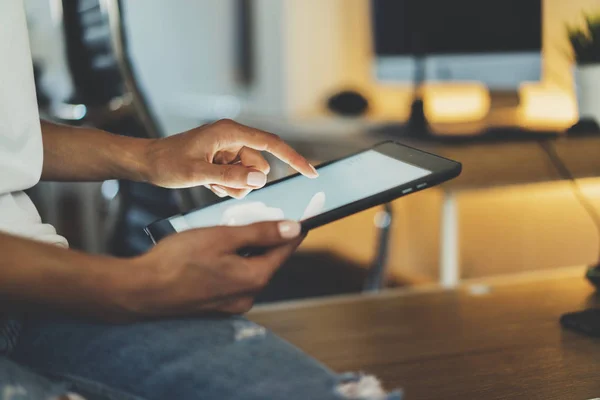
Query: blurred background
column 491, row 84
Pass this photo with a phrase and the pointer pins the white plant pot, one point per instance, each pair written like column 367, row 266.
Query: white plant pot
column 587, row 87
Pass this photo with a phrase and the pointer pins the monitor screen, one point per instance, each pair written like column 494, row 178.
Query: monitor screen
column 496, row 42
column 406, row 27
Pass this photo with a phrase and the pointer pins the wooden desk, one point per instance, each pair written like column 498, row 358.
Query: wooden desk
column 452, row 344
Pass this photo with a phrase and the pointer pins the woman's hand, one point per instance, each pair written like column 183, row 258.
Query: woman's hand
column 224, row 156
column 200, row 271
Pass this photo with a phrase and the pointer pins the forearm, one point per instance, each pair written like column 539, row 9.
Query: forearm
column 35, row 275
column 88, row 154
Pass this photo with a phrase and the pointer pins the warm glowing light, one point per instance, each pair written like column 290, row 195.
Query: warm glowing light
column 456, row 103
column 547, row 104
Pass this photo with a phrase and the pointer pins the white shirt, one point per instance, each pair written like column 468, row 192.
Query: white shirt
column 21, row 152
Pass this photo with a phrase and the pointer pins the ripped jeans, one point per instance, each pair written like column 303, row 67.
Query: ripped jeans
column 211, row 358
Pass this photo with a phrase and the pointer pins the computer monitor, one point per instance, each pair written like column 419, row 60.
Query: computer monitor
column 495, row 42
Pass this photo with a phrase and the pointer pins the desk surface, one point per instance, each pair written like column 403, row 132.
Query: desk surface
column 501, row 164
column 435, row 344
column 485, row 165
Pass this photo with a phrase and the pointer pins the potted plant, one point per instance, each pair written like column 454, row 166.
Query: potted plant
column 585, row 45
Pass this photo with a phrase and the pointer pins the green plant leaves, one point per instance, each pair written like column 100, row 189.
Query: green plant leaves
column 585, row 42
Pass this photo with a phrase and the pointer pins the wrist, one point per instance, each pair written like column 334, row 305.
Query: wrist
column 110, row 285
column 127, row 287
column 134, row 161
column 94, row 290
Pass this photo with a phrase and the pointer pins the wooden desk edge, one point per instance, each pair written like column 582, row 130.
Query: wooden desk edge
column 502, row 280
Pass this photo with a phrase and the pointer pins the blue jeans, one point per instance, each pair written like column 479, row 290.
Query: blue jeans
column 209, row 358
column 19, row 383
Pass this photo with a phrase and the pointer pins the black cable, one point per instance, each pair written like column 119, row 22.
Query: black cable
column 566, row 174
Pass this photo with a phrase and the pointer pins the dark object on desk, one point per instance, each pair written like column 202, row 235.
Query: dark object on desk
column 586, row 322
column 348, row 103
column 584, row 127
column 593, row 275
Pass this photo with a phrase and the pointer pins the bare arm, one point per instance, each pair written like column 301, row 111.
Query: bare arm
column 34, row 275
column 88, row 154
column 223, row 154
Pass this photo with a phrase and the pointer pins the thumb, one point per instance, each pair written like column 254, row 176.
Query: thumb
column 262, row 234
column 233, row 176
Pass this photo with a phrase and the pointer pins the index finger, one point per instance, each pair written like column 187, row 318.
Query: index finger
column 265, row 141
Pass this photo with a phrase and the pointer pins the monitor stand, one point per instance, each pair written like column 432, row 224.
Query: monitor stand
column 417, row 126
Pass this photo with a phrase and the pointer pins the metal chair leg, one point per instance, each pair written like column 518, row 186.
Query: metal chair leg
column 376, row 277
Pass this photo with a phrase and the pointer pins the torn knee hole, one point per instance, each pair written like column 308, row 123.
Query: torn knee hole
column 362, row 387
column 246, row 330
column 10, row 392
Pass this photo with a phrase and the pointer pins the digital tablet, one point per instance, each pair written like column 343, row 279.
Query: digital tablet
column 344, row 187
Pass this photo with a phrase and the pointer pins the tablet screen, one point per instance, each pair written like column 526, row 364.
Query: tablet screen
column 299, row 198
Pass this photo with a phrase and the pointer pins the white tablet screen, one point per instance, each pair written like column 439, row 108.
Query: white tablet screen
column 299, row 198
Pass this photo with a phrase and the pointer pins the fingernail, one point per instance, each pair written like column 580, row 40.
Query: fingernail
column 289, row 229
column 221, row 191
column 257, row 179
column 313, row 170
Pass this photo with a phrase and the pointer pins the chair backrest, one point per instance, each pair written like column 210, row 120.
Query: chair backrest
column 105, row 83
column 100, row 65
column 90, row 53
